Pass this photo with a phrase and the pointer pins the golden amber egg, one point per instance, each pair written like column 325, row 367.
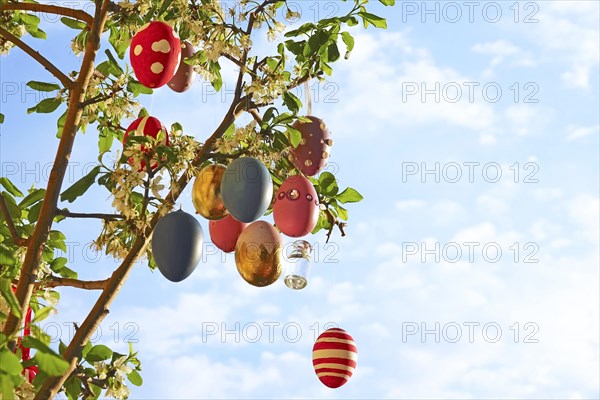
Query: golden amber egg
column 206, row 193
column 258, row 254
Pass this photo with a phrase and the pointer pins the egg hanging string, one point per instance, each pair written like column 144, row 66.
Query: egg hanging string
column 307, row 98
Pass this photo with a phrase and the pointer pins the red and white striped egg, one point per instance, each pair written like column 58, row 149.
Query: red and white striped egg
column 147, row 126
column 155, row 54
column 296, row 208
column 334, row 357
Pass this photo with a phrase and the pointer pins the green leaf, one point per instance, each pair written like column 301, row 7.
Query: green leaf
column 328, row 184
column 51, row 364
column 67, row 273
column 7, row 255
column 86, row 349
column 43, row 86
column 9, row 362
column 135, row 378
column 60, row 124
column 98, row 353
column 10, row 187
column 45, row 106
column 1, row 118
column 10, row 297
column 73, row 23
column 294, row 135
column 34, row 212
column 73, row 388
column 42, row 314
column 348, row 41
column 342, row 212
column 349, row 195
column 7, row 386
column 376, row 21
column 292, row 102
column 32, row 198
column 33, row 343
column 333, row 54
column 137, row 88
column 81, row 186
column 117, row 70
column 388, row 2
column 105, row 140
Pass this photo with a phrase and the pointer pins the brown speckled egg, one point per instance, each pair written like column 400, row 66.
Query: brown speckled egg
column 258, row 254
column 313, row 151
column 296, row 208
column 225, row 232
column 154, row 54
column 182, row 80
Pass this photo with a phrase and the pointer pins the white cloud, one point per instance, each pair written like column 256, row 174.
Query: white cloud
column 575, row 132
column 502, row 51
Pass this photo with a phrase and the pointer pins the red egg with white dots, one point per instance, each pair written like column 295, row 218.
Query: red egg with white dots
column 151, row 127
column 296, row 208
column 225, row 232
column 155, row 54
column 315, row 146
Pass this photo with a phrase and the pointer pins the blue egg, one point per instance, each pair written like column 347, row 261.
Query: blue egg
column 247, row 189
column 177, row 245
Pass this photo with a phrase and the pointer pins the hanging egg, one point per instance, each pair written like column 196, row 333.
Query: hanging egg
column 206, row 193
column 182, row 80
column 155, row 54
column 258, row 254
column 334, row 357
column 177, row 245
column 315, row 146
column 296, row 208
column 224, row 233
column 247, row 189
column 151, row 127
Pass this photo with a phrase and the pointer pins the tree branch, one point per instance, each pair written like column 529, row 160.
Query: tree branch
column 49, row 9
column 107, row 217
column 64, row 79
column 37, row 241
column 11, row 225
column 56, row 281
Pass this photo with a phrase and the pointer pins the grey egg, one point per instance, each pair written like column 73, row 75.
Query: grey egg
column 177, row 245
column 247, row 189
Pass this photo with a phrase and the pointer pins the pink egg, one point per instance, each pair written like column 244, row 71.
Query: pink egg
column 313, row 151
column 225, row 232
column 155, row 53
column 296, row 208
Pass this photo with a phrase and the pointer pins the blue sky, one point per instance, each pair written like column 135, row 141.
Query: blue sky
column 379, row 283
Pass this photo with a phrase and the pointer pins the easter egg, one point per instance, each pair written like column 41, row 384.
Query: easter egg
column 177, row 245
column 224, row 232
column 334, row 357
column 151, row 127
column 315, row 146
column 296, row 208
column 155, row 54
column 206, row 192
column 182, row 80
column 258, row 254
column 247, row 189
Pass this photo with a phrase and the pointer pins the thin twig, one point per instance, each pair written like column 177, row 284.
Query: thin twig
column 49, row 9
column 107, row 217
column 64, row 79
column 256, row 115
column 56, row 281
column 11, row 225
